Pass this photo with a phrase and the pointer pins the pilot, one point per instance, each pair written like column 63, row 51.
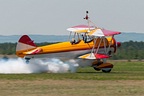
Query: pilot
column 73, row 41
column 85, row 38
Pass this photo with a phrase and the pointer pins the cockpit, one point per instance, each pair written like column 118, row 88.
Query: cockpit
column 76, row 37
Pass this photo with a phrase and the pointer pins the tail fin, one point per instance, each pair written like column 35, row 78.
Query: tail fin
column 24, row 44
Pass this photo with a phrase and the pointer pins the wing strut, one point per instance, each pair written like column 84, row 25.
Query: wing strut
column 109, row 44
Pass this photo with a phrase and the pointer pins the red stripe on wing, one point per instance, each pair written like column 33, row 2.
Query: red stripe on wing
column 101, row 56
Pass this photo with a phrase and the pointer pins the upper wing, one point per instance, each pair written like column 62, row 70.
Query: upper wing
column 81, row 28
column 103, row 32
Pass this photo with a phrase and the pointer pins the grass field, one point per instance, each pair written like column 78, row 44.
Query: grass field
column 126, row 79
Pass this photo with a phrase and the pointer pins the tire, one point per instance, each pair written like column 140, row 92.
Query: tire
column 97, row 69
column 106, row 70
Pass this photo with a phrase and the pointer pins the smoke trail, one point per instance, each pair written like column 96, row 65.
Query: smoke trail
column 18, row 66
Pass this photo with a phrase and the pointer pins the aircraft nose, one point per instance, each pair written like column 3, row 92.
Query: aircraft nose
column 118, row 44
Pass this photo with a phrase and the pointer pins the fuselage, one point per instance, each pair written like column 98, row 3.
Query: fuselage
column 66, row 51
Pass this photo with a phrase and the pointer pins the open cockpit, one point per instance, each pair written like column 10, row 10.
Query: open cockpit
column 75, row 37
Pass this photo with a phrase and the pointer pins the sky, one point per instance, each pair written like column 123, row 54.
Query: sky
column 53, row 17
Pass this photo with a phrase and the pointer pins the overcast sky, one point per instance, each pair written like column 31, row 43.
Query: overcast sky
column 53, row 17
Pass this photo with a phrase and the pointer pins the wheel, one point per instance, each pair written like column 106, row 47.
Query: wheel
column 27, row 59
column 97, row 69
column 106, row 70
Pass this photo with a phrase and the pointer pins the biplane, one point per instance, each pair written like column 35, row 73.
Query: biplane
column 88, row 45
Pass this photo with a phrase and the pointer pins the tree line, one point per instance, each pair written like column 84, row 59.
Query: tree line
column 10, row 48
column 128, row 50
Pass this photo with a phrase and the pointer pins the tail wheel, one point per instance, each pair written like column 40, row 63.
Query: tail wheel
column 27, row 59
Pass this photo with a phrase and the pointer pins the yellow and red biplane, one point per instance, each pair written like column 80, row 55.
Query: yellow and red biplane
column 88, row 45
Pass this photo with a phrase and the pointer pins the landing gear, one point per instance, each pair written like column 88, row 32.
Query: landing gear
column 105, row 67
column 95, row 64
column 27, row 59
column 105, row 70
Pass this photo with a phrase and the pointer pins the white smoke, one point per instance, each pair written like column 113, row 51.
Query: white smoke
column 18, row 66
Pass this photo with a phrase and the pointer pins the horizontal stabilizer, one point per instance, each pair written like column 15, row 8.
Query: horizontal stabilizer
column 34, row 51
column 94, row 56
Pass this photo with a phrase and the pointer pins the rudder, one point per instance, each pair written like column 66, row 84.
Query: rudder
column 24, row 44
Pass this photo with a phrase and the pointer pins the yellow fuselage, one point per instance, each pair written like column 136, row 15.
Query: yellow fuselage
column 67, row 46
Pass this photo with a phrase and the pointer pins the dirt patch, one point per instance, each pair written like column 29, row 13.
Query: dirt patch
column 72, row 87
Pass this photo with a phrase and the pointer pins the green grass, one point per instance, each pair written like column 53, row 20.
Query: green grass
column 126, row 79
column 121, row 71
